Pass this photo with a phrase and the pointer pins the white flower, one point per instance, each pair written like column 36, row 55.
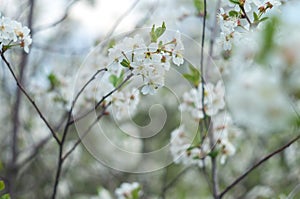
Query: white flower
column 213, row 100
column 150, row 62
column 224, row 130
column 125, row 191
column 125, row 103
column 13, row 33
column 182, row 151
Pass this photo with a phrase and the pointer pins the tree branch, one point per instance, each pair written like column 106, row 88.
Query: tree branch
column 267, row 157
column 102, row 100
column 29, row 98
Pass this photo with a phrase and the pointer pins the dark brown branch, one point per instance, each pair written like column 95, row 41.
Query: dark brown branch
column 86, row 132
column 100, row 102
column 267, row 157
column 245, row 14
column 29, row 98
column 62, row 157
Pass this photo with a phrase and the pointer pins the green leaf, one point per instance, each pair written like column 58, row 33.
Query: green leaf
column 213, row 153
column 54, row 82
column 160, row 30
column 255, row 16
column 111, row 43
column 267, row 44
column 199, row 5
column 153, row 34
column 125, row 63
column 193, row 76
column 157, row 32
column 233, row 13
column 5, row 196
column 135, row 193
column 235, row 2
column 263, row 19
column 120, row 79
column 113, row 79
column 2, row 185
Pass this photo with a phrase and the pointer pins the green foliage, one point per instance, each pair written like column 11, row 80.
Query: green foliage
column 258, row 19
column 2, row 185
column 255, row 16
column 193, row 76
column 54, row 82
column 267, row 44
column 157, row 32
column 135, row 193
column 5, row 196
column 125, row 63
column 199, row 5
column 214, row 153
column 235, row 2
column 115, row 80
column 233, row 13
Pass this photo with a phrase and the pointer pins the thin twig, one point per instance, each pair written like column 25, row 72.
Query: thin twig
column 120, row 19
column 29, row 98
column 57, row 22
column 267, row 157
column 86, row 132
column 99, row 102
column 35, row 151
column 245, row 15
column 175, row 179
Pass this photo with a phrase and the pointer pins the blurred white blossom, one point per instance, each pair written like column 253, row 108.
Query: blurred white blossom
column 128, row 191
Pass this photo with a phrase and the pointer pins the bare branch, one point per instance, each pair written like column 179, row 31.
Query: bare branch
column 102, row 100
column 57, row 22
column 267, row 157
column 86, row 132
column 120, row 19
column 29, row 98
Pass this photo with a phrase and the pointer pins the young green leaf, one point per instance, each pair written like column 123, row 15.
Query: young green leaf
column 193, row 76
column 125, row 63
column 199, row 5
column 213, row 153
column 233, row 13
column 157, row 32
column 54, row 82
column 160, row 30
column 2, row 185
column 113, row 79
column 5, row 196
column 255, row 16
column 235, row 2
column 153, row 34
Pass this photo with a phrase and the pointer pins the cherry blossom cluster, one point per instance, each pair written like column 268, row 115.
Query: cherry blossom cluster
column 12, row 33
column 239, row 16
column 148, row 61
column 213, row 100
column 129, row 191
column 183, row 148
column 125, row 103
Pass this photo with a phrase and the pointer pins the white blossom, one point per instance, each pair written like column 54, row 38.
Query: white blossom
column 213, row 100
column 125, row 191
column 13, row 33
column 182, row 150
column 125, row 103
